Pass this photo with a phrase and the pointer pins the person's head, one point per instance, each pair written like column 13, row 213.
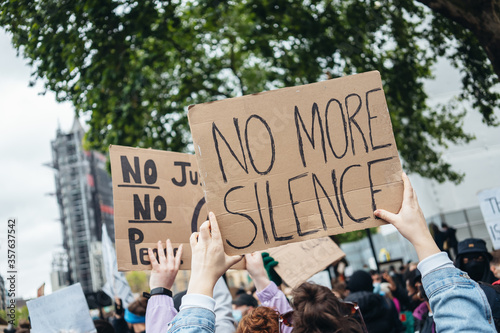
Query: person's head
column 495, row 263
column 434, row 229
column 24, row 323
column 135, row 315
column 242, row 305
column 339, row 289
column 360, row 281
column 317, row 310
column 413, row 281
column 473, row 258
column 261, row 319
column 376, row 276
column 102, row 326
column 385, row 289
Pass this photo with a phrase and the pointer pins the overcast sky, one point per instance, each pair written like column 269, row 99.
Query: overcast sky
column 29, row 123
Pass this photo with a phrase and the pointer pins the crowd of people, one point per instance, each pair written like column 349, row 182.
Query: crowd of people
column 433, row 295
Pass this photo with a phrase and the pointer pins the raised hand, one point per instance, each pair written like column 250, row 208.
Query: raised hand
column 410, row 222
column 255, row 267
column 163, row 273
column 208, row 261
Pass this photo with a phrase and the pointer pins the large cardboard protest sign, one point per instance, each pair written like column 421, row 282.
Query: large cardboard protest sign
column 157, row 195
column 489, row 201
column 65, row 310
column 297, row 163
column 297, row 262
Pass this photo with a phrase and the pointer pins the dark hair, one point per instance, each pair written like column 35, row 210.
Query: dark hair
column 178, row 299
column 138, row 307
column 24, row 323
column 317, row 310
column 261, row 319
column 103, row 326
column 496, row 258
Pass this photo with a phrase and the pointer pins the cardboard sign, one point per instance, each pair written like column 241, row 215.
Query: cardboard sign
column 489, row 201
column 297, row 163
column 157, row 195
column 300, row 261
column 65, row 310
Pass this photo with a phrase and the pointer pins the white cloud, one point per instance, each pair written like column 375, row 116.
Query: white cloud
column 29, row 123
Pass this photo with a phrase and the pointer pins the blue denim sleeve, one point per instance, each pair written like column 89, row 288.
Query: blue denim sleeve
column 193, row 320
column 457, row 302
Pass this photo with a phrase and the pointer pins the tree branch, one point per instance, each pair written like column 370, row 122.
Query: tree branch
column 481, row 17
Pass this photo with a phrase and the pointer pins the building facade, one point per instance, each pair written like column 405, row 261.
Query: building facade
column 84, row 195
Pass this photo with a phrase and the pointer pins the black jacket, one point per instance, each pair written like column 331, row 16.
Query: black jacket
column 379, row 314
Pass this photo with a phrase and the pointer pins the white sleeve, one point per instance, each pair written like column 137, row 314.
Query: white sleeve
column 433, row 262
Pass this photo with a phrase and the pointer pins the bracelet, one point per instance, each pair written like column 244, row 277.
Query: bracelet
column 157, row 291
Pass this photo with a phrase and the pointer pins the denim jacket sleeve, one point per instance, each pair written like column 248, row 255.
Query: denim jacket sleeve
column 274, row 298
column 457, row 302
column 196, row 315
column 159, row 312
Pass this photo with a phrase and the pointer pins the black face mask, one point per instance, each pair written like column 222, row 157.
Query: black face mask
column 475, row 269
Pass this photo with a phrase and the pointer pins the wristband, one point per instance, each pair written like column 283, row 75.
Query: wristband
column 158, row 291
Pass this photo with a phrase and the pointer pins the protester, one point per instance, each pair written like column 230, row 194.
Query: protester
column 424, row 320
column 208, row 263
column 118, row 320
column 339, row 288
column 162, row 308
column 474, row 259
column 458, row 304
column 262, row 319
column 314, row 308
column 23, row 326
column 242, row 305
column 495, row 265
column 438, row 235
column 385, row 290
column 453, row 297
column 135, row 315
column 413, row 282
column 380, row 315
column 102, row 326
column 450, row 239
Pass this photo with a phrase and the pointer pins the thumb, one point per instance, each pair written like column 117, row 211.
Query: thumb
column 231, row 260
column 386, row 216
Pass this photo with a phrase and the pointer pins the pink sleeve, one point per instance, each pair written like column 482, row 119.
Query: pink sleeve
column 274, row 298
column 159, row 312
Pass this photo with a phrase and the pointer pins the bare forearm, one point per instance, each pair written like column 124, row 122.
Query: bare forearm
column 261, row 282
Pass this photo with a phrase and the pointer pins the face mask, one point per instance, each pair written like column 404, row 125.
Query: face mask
column 376, row 288
column 237, row 315
column 475, row 270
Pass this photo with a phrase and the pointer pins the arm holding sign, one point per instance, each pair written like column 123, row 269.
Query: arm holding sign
column 208, row 263
column 267, row 291
column 454, row 298
column 160, row 310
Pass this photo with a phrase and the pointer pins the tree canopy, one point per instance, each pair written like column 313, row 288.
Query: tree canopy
column 135, row 66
